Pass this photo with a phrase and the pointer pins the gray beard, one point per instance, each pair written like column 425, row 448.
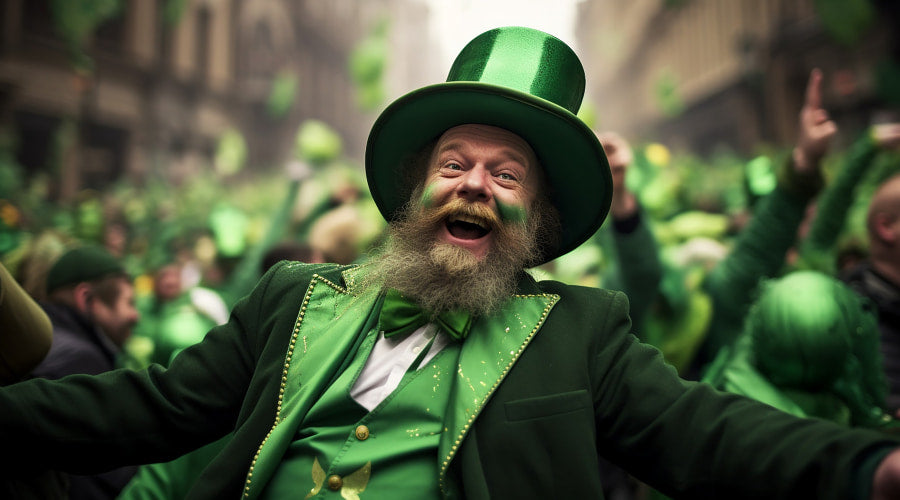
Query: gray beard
column 442, row 277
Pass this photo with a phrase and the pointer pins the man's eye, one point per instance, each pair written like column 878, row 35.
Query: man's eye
column 506, row 177
column 453, row 166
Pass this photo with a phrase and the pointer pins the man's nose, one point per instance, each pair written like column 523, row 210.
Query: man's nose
column 474, row 185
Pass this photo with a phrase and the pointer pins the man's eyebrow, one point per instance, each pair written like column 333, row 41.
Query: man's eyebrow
column 510, row 153
column 452, row 145
column 518, row 157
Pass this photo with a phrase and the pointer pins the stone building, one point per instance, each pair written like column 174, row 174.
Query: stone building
column 699, row 74
column 155, row 88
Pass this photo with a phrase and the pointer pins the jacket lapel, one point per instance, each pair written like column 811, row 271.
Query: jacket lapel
column 487, row 355
column 326, row 331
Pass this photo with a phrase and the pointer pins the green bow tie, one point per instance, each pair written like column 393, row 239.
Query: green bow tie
column 400, row 316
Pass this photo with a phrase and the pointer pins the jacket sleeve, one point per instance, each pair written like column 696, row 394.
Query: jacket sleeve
column 83, row 423
column 758, row 253
column 166, row 480
column 639, row 267
column 834, row 204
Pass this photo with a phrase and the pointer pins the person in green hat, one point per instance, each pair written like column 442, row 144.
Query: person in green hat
column 90, row 303
column 441, row 368
column 809, row 347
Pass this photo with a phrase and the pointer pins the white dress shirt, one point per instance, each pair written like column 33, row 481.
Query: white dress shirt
column 390, row 359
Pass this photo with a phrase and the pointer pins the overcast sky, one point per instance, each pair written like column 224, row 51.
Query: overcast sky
column 455, row 22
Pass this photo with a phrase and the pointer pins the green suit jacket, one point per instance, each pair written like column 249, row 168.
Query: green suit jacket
column 543, row 388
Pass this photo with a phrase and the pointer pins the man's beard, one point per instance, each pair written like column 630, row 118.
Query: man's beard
column 440, row 276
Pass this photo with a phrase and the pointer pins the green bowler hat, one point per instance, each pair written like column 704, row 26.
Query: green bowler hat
column 520, row 79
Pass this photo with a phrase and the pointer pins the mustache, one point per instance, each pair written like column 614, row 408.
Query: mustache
column 457, row 207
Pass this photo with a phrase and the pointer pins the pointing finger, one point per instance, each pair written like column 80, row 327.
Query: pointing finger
column 814, row 89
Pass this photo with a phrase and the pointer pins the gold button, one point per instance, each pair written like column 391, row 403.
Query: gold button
column 335, row 482
column 362, row 433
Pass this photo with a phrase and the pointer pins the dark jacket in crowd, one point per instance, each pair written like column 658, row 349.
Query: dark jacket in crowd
column 886, row 297
column 80, row 347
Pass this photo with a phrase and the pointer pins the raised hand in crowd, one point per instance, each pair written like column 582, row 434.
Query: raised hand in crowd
column 816, row 128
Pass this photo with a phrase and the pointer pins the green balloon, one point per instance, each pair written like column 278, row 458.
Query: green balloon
column 317, row 142
column 367, row 61
column 231, row 152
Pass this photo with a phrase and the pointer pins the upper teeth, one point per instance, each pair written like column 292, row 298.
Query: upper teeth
column 469, row 219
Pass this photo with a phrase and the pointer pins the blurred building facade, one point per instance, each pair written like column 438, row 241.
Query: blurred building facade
column 698, row 74
column 157, row 90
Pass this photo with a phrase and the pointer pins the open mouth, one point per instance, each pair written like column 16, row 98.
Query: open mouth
column 466, row 227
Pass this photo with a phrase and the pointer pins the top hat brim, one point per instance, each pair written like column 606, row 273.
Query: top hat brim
column 568, row 150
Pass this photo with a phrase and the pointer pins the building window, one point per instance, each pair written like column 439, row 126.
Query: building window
column 104, row 155
column 163, row 35
column 201, row 44
column 261, row 50
column 110, row 35
column 37, row 19
column 34, row 134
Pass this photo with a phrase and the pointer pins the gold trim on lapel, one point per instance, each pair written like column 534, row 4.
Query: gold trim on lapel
column 328, row 323
column 487, row 355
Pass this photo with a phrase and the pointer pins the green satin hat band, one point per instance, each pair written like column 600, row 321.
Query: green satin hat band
column 542, row 67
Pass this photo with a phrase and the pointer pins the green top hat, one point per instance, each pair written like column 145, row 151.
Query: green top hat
column 520, row 79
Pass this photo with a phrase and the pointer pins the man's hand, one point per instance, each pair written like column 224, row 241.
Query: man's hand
column 816, row 130
column 886, row 483
column 619, row 155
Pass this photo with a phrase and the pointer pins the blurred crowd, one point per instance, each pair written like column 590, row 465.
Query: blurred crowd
column 776, row 277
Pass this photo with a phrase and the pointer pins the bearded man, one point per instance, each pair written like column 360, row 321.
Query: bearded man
column 466, row 235
column 442, row 369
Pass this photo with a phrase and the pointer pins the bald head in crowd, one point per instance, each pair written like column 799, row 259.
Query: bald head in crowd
column 883, row 224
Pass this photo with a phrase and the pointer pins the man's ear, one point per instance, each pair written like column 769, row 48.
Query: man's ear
column 82, row 294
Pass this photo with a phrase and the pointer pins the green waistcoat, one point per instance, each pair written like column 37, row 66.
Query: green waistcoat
column 343, row 451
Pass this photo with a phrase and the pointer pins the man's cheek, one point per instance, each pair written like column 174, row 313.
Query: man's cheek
column 511, row 212
column 428, row 196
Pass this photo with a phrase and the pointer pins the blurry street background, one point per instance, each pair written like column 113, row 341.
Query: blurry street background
column 204, row 131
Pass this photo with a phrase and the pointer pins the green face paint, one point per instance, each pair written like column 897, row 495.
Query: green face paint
column 428, row 196
column 511, row 213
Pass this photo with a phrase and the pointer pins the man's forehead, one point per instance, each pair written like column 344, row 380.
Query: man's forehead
column 472, row 135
